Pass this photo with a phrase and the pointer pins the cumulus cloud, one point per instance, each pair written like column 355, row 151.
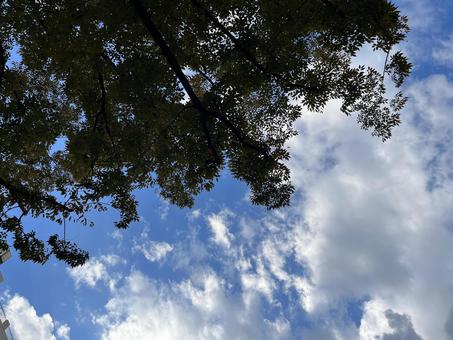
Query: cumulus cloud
column 153, row 251
column 219, row 227
column 385, row 324
column 63, row 332
column 201, row 308
column 96, row 270
column 401, row 327
column 376, row 217
column 26, row 324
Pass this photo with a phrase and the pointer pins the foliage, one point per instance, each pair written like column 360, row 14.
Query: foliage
column 111, row 96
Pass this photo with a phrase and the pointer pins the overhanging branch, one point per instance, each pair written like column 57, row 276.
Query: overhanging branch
column 196, row 102
column 19, row 192
column 167, row 53
column 247, row 54
column 2, row 63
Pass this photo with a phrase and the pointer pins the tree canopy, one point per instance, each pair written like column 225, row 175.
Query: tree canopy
column 99, row 98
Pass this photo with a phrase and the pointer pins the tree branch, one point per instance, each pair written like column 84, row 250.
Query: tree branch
column 108, row 60
column 247, row 54
column 103, row 111
column 21, row 192
column 2, row 63
column 103, row 103
column 168, row 54
column 95, row 125
column 385, row 64
column 238, row 133
column 196, row 102
column 205, row 76
column 175, row 118
column 171, row 59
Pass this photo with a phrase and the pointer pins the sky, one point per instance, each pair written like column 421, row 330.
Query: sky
column 364, row 251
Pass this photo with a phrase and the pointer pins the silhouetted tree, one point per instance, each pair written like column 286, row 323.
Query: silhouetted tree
column 102, row 97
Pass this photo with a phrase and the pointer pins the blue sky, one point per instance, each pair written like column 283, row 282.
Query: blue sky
column 364, row 252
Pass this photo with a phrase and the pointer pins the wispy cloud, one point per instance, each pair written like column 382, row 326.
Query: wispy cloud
column 443, row 54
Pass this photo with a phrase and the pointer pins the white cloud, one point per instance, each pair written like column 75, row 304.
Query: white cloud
column 117, row 235
column 258, row 280
column 96, row 270
column 444, row 53
column 199, row 309
column 90, row 273
column 153, row 251
column 194, row 214
column 164, row 209
column 63, row 332
column 381, row 323
column 189, row 251
column 26, row 324
column 219, row 227
column 377, row 217
column 422, row 13
column 112, row 259
column 374, row 323
column 206, row 297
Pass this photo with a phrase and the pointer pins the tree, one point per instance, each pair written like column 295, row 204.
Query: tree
column 105, row 97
